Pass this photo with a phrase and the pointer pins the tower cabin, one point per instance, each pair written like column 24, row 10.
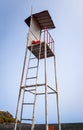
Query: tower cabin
column 39, row 24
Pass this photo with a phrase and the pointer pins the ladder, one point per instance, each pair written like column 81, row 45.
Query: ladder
column 31, row 88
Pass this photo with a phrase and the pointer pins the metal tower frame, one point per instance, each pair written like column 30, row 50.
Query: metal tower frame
column 38, row 50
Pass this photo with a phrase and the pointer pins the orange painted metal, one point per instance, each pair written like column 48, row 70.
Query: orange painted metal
column 51, row 127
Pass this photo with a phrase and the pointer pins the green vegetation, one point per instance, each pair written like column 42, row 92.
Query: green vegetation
column 6, row 117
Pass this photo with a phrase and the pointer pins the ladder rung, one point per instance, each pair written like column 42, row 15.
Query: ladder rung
column 33, row 58
column 28, row 103
column 31, row 78
column 33, row 67
column 32, row 85
column 27, row 119
column 31, row 90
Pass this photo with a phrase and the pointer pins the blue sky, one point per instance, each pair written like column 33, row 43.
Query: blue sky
column 68, row 35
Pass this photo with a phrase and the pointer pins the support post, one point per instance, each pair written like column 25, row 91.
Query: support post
column 16, row 117
column 58, row 114
column 46, row 101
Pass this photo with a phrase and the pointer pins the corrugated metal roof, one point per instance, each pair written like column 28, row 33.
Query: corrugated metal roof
column 43, row 18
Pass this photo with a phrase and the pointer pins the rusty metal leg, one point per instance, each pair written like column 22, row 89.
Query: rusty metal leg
column 46, row 102
column 58, row 114
column 16, row 117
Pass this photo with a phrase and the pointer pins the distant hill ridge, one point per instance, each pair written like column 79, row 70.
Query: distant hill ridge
column 6, row 117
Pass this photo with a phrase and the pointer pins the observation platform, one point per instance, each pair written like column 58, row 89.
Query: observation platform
column 36, row 47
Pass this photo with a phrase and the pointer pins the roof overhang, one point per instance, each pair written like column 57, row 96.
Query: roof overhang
column 43, row 18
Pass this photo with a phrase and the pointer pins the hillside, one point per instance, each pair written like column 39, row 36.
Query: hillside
column 6, row 117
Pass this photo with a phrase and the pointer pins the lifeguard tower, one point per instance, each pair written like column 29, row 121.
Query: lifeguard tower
column 40, row 46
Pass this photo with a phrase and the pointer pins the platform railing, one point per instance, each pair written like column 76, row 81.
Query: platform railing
column 47, row 38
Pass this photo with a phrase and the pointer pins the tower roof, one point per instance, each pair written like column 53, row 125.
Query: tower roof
column 43, row 18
